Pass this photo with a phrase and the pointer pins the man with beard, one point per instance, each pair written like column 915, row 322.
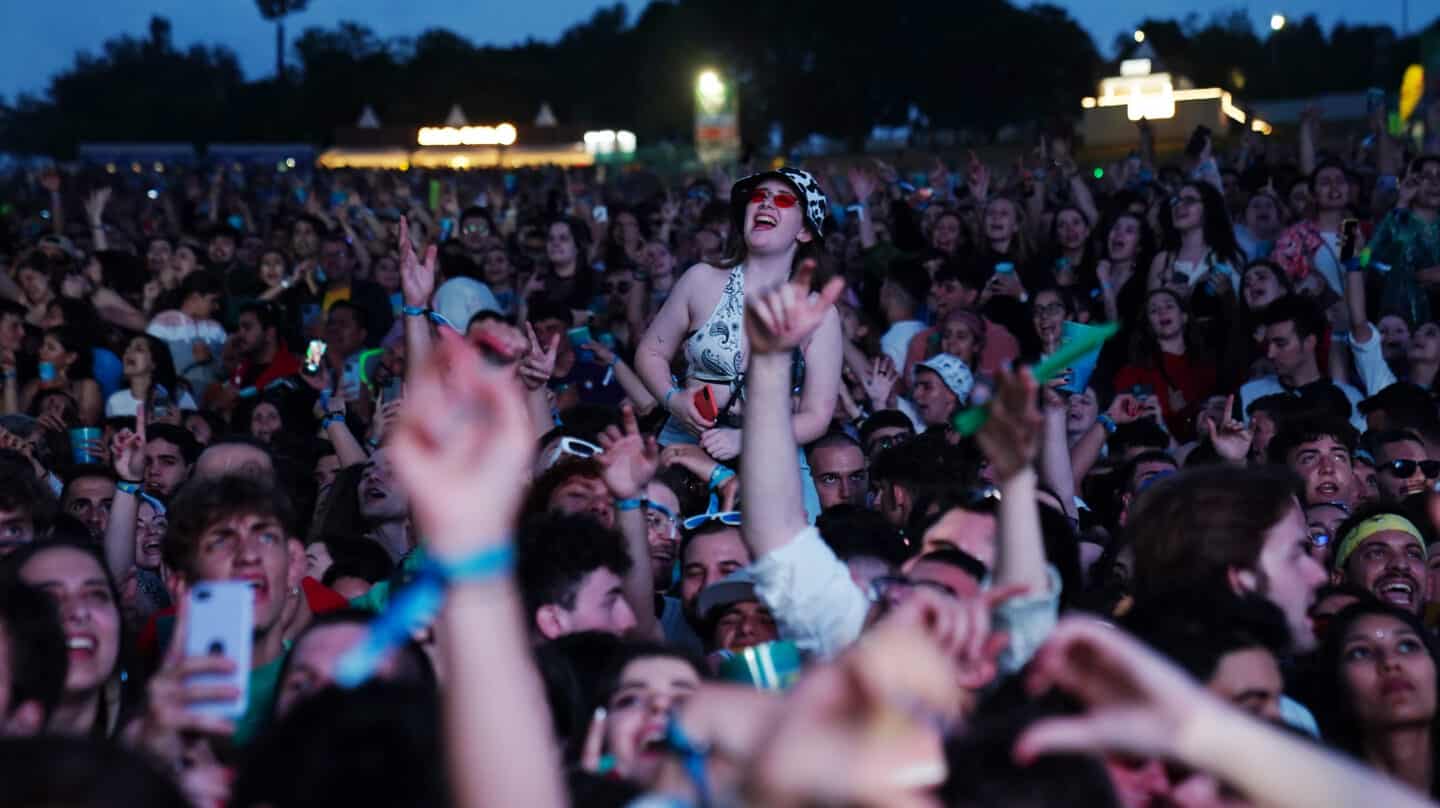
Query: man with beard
column 1382, row 552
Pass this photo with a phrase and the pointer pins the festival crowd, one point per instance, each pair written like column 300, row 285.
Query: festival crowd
column 685, row 491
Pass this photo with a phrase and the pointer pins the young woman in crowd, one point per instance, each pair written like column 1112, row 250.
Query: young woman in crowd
column 68, row 357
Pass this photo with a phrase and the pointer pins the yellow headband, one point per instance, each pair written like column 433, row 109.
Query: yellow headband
column 1375, row 524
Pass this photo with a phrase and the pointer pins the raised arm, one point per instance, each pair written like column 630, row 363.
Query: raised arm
column 95, row 212
column 776, row 321
column 127, row 452
column 417, row 284
column 818, row 394
column 1011, row 441
column 629, row 463
column 462, row 451
column 1137, row 703
column 862, row 182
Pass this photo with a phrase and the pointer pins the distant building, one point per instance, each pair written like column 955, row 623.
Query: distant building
column 1170, row 102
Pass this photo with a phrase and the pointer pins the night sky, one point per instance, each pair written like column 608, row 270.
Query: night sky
column 43, row 38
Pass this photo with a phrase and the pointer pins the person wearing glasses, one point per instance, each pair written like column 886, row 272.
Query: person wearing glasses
column 777, row 220
column 1198, row 240
column 1381, row 550
column 1323, row 522
column 1404, row 466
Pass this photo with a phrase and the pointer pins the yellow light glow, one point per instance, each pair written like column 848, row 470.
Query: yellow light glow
column 502, row 135
column 135, row 167
column 1231, row 111
column 1412, row 88
column 1277, row 21
column 110, row 168
column 1200, row 94
column 1135, row 67
column 1257, row 125
column 1139, row 36
column 289, row 162
column 1087, row 102
column 711, row 88
column 159, row 168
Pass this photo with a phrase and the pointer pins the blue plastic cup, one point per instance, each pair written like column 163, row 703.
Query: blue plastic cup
column 80, row 438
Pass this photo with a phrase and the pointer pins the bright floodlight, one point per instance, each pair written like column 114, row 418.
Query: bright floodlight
column 1277, row 21
column 1139, row 36
column 710, row 85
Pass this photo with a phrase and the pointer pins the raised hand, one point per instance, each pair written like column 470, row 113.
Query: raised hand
column 539, row 364
column 95, row 205
column 1135, row 702
column 417, row 280
column 862, row 182
column 961, row 627
column 1124, row 409
column 1010, row 438
column 778, row 320
column 630, row 459
column 461, row 446
column 167, row 712
column 127, row 450
column 1232, row 438
column 880, row 381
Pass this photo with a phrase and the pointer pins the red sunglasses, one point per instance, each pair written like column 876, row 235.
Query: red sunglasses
column 780, row 200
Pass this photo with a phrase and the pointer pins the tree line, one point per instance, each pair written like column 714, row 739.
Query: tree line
column 978, row 66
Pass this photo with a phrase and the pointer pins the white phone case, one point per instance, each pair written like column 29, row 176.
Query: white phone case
column 222, row 623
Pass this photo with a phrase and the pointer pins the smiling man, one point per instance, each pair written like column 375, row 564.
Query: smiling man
column 238, row 528
column 1382, row 552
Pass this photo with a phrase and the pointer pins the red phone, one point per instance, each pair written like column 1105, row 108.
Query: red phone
column 705, row 404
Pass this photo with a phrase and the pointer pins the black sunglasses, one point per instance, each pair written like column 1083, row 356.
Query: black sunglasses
column 1406, row 468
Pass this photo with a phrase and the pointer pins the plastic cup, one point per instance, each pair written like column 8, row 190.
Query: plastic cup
column 80, row 438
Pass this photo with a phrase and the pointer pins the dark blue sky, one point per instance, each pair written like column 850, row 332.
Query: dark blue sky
column 43, row 39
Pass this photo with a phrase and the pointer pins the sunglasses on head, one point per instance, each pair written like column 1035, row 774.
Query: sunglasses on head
column 573, row 447
column 731, row 518
column 889, row 442
column 779, row 200
column 1406, row 468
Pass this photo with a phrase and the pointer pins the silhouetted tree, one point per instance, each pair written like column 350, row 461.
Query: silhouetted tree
column 277, row 11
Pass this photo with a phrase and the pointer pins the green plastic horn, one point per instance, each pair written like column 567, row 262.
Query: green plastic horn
column 968, row 421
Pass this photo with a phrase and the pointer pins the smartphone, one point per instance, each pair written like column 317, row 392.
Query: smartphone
column 393, row 390
column 447, row 228
column 222, row 624
column 1004, row 268
column 1142, row 390
column 47, row 372
column 1349, row 233
column 601, row 214
column 580, row 336
column 705, row 404
column 314, row 355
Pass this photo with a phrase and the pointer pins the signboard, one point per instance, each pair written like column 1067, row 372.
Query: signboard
column 717, row 119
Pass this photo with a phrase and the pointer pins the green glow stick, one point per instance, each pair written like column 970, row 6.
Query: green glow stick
column 968, row 421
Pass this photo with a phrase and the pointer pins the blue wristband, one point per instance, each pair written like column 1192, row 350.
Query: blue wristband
column 478, row 566
column 128, row 487
column 332, row 418
column 720, row 476
column 1107, row 422
column 632, row 504
column 414, row 311
column 672, row 392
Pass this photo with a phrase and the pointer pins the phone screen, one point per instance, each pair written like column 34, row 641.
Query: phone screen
column 1349, row 232
column 314, row 355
